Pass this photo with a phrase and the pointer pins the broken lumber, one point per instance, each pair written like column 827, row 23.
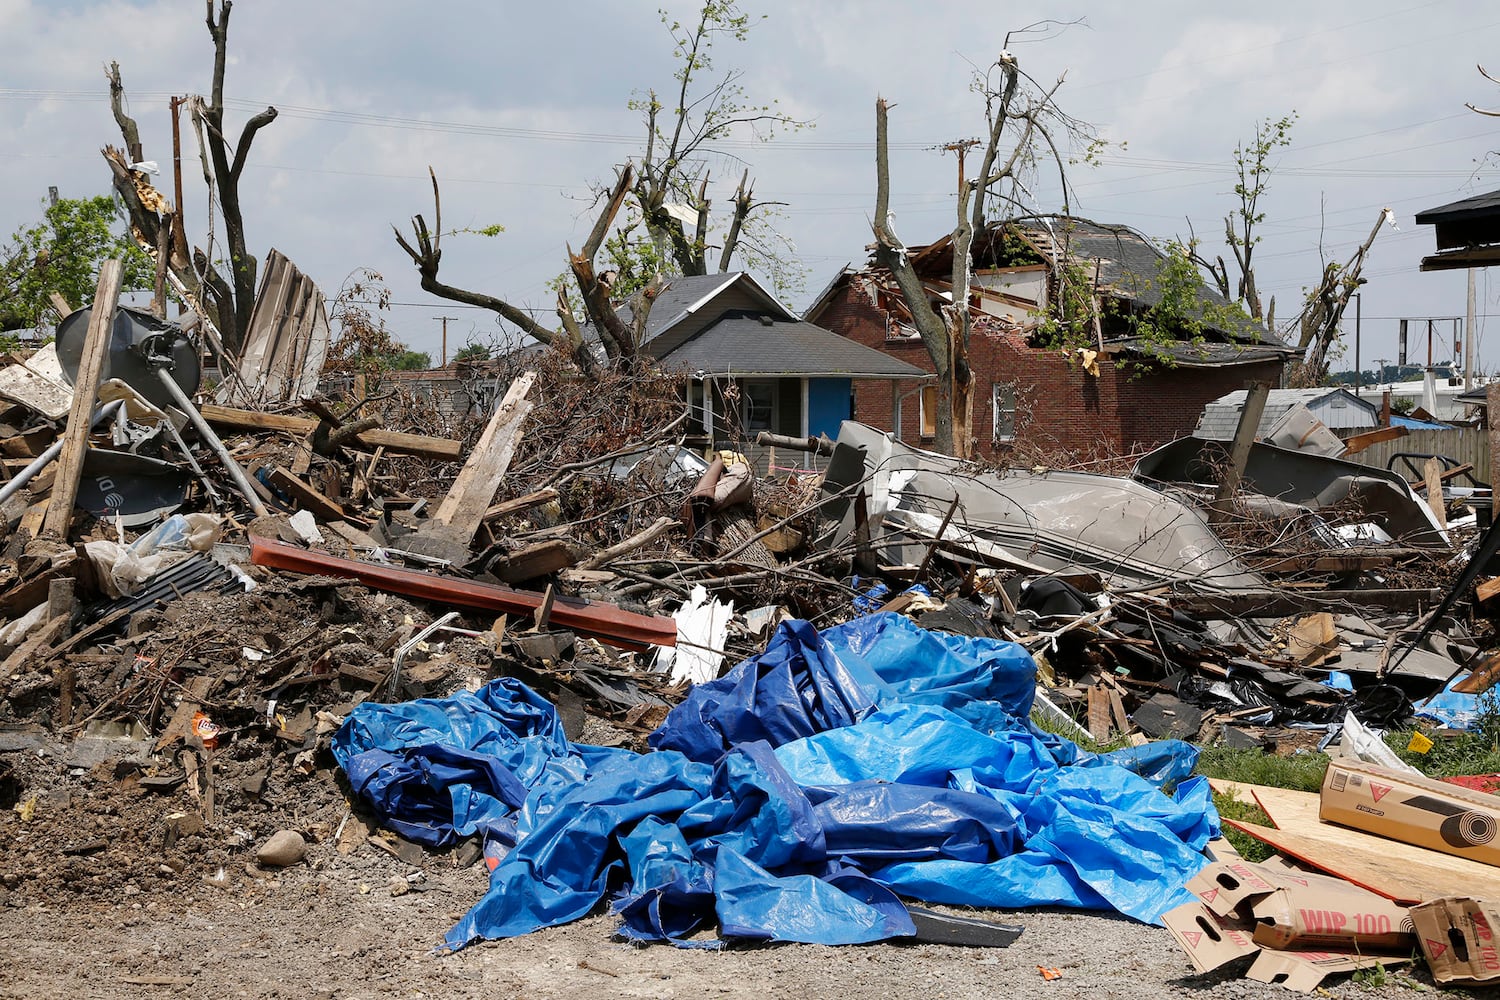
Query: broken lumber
column 534, row 561
column 464, row 507
column 508, row 507
column 307, row 497
column 85, row 391
column 420, row 445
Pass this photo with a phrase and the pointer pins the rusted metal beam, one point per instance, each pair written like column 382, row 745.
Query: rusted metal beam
column 606, row 622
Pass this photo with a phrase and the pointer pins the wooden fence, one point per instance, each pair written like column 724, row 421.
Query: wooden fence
column 1462, row 444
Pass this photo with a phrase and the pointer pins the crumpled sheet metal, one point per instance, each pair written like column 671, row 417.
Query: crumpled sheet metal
column 1314, row 481
column 1123, row 530
column 798, row 798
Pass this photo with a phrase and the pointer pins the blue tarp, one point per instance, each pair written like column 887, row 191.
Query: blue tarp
column 794, row 799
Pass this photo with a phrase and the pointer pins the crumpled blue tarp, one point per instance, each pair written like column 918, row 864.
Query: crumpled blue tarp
column 795, row 799
column 1454, row 709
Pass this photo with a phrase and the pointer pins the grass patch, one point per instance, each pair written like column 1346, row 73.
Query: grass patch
column 1231, row 806
column 1302, row 772
column 1472, row 752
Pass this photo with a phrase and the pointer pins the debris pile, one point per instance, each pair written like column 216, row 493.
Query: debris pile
column 263, row 621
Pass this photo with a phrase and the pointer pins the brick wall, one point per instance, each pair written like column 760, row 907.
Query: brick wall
column 1059, row 406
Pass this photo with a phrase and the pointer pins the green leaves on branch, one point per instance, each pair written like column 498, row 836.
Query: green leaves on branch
column 62, row 255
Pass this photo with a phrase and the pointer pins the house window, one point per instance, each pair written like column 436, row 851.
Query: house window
column 700, row 417
column 757, row 406
column 929, row 407
column 1003, row 410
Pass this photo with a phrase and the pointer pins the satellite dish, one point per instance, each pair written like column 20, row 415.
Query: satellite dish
column 125, row 359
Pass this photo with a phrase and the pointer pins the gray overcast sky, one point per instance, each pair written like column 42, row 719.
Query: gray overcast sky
column 518, row 106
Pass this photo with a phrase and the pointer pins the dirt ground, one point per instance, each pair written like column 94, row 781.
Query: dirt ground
column 108, row 889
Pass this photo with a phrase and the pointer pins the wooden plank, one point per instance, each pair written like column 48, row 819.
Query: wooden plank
column 1099, row 713
column 1492, row 406
column 307, row 497
column 406, row 444
column 85, row 391
column 1357, row 443
column 507, row 507
column 469, row 497
column 1239, row 450
column 535, row 560
column 351, row 534
column 1432, row 471
column 1337, row 560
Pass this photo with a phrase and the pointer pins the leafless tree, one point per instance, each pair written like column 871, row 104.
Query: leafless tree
column 619, row 340
column 1492, row 112
column 1323, row 310
column 1026, row 128
column 228, row 299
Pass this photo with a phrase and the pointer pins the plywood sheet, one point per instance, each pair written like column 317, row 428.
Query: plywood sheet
column 1399, row 871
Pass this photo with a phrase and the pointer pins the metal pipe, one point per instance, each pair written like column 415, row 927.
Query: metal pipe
column 192, row 461
column 206, row 432
column 49, row 456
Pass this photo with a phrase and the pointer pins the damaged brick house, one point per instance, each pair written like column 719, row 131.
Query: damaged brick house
column 1110, row 389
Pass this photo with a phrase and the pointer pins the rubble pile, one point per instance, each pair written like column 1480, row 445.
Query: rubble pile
column 218, row 609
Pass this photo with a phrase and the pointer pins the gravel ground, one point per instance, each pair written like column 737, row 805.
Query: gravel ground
column 333, row 928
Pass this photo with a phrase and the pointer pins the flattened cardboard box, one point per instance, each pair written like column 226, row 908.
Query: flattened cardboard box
column 1412, row 809
column 1458, row 937
column 1211, row 941
column 1292, row 909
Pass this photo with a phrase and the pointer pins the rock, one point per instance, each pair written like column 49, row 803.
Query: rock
column 285, row 847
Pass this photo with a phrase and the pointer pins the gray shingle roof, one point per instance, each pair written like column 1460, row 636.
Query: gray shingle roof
column 1487, row 204
column 741, row 344
column 683, row 295
column 1130, row 264
column 1222, row 416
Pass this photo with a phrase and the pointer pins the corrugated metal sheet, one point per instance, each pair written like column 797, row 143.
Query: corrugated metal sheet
column 287, row 342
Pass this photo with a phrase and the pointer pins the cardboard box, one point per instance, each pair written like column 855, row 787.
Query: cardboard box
column 1285, row 908
column 1211, row 941
column 1458, row 937
column 1412, row 809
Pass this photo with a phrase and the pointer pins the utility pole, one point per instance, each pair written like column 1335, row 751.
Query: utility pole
column 1380, row 375
column 1359, row 373
column 961, row 147
column 1469, row 337
column 445, row 320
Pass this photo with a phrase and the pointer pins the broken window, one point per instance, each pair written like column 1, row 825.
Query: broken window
column 1003, row 410
column 929, row 405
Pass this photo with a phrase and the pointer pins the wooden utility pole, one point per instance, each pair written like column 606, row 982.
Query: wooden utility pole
column 85, row 392
column 445, row 319
column 961, row 147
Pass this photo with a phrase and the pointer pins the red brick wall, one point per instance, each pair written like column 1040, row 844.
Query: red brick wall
column 1059, row 406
